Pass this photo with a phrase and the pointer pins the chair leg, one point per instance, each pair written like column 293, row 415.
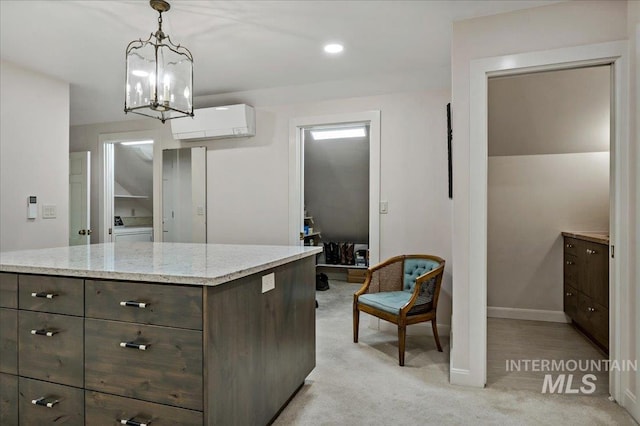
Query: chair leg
column 356, row 323
column 402, row 331
column 435, row 334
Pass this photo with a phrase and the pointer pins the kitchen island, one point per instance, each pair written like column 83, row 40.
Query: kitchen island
column 160, row 333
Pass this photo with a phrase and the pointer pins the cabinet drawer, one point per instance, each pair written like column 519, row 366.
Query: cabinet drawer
column 66, row 403
column 8, row 341
column 57, row 295
column 594, row 318
column 571, row 245
column 103, row 409
column 8, row 290
column 8, row 399
column 56, row 357
column 570, row 269
column 168, row 370
column 158, row 304
column 570, row 301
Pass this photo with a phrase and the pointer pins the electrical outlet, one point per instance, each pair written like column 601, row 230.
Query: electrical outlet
column 268, row 282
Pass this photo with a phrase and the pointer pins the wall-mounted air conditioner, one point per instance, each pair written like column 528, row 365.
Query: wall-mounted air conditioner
column 231, row 121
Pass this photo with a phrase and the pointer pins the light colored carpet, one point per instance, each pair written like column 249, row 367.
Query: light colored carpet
column 362, row 384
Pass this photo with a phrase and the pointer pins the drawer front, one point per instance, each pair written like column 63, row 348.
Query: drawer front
column 599, row 323
column 66, row 404
column 8, row 341
column 8, row 399
column 103, row 409
column 8, row 290
column 570, row 269
column 57, row 295
column 571, row 245
column 56, row 358
column 157, row 304
column 570, row 301
column 168, row 371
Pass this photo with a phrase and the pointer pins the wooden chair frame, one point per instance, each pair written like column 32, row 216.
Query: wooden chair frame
column 403, row 319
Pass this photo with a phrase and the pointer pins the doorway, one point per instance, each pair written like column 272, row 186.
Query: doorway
column 614, row 53
column 128, row 173
column 548, row 174
column 297, row 130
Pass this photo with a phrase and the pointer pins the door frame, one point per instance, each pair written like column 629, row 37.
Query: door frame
column 296, row 171
column 105, row 179
column 616, row 54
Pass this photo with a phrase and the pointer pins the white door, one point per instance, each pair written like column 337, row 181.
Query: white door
column 79, row 198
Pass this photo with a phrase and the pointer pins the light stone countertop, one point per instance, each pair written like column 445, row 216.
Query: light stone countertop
column 178, row 263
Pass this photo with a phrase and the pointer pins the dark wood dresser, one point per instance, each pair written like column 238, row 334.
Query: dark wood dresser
column 586, row 284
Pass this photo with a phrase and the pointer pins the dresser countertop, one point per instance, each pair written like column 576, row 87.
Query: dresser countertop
column 177, row 263
column 594, row 237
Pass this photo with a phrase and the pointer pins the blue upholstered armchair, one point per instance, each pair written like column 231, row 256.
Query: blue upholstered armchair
column 403, row 290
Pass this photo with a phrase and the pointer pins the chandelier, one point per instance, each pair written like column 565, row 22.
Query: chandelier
column 159, row 75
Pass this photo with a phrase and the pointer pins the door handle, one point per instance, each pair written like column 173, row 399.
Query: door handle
column 82, row 232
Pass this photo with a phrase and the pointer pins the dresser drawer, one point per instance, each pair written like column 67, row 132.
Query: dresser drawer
column 570, row 269
column 8, row 341
column 56, row 404
column 570, row 301
column 167, row 371
column 158, row 304
column 57, row 295
column 571, row 245
column 50, row 347
column 103, row 409
column 8, row 290
column 8, row 399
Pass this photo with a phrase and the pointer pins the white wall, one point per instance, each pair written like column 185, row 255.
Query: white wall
column 247, row 178
column 548, row 27
column 34, row 158
column 532, row 199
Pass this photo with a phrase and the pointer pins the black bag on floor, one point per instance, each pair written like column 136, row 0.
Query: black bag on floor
column 322, row 282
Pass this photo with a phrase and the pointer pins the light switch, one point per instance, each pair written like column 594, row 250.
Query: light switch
column 49, row 211
column 200, row 211
column 268, row 282
column 384, row 207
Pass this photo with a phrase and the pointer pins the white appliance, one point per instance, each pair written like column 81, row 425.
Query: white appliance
column 231, row 121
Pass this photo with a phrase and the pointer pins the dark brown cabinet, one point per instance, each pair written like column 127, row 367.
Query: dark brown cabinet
column 586, row 285
column 96, row 352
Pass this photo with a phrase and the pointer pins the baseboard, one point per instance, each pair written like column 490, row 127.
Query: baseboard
column 463, row 377
column 527, row 314
column 630, row 403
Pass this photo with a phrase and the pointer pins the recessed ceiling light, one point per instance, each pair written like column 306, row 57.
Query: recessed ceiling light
column 333, row 48
column 355, row 132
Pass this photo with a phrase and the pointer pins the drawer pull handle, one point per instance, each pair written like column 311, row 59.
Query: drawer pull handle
column 134, row 346
column 132, row 422
column 569, row 262
column 134, row 304
column 44, row 294
column 569, row 293
column 43, row 332
column 44, row 403
column 589, row 251
column 590, row 309
column 569, row 245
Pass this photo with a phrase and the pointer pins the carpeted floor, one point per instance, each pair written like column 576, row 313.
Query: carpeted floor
column 362, row 384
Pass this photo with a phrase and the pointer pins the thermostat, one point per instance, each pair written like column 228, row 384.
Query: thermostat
column 32, row 207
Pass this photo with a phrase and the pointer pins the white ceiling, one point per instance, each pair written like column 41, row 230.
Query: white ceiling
column 237, row 45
